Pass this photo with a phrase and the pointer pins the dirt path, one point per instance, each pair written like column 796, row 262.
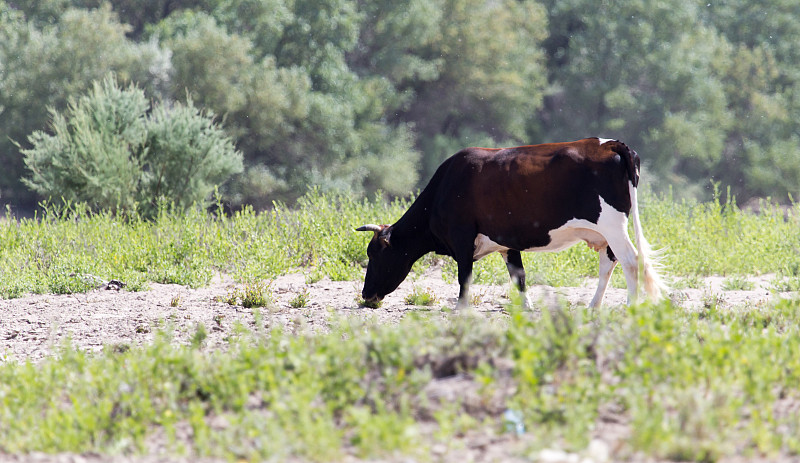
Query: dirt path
column 32, row 326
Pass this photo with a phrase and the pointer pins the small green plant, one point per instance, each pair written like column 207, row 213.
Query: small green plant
column 711, row 300
column 256, row 294
column 371, row 304
column 476, row 298
column 785, row 284
column 301, row 299
column 142, row 329
column 691, row 281
column 199, row 336
column 175, row 301
column 737, row 283
column 422, row 297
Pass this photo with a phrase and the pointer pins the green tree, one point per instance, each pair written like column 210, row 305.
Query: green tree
column 307, row 121
column 644, row 74
column 761, row 77
column 111, row 150
column 705, row 91
column 490, row 80
column 42, row 66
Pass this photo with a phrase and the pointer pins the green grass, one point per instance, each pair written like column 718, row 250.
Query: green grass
column 255, row 294
column 686, row 385
column 738, row 283
column 67, row 249
column 690, row 386
column 421, row 297
column 301, row 299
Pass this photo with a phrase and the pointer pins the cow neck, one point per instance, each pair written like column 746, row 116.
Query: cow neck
column 413, row 229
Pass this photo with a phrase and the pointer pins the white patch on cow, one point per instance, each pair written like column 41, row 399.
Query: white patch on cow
column 605, row 140
column 610, row 230
column 569, row 234
column 485, row 246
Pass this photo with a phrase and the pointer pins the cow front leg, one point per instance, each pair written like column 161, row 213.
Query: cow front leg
column 517, row 273
column 464, row 281
column 607, row 263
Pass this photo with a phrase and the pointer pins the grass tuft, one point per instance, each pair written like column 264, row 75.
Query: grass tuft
column 738, row 283
column 301, row 299
column 421, row 297
column 255, row 294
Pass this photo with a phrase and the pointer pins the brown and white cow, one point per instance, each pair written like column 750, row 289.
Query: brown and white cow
column 530, row 198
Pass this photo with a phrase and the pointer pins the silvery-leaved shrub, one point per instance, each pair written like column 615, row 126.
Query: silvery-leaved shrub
column 113, row 150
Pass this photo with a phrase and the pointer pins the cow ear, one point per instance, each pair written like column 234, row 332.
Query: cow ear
column 385, row 236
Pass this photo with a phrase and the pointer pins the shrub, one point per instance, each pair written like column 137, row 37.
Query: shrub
column 111, row 150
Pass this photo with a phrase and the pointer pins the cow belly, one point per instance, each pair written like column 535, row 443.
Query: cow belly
column 569, row 234
column 485, row 246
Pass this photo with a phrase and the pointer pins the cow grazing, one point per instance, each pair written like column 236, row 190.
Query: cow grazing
column 530, row 198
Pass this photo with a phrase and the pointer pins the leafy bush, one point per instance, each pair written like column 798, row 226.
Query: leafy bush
column 111, row 150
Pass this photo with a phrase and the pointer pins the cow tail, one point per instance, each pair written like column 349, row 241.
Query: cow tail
column 647, row 259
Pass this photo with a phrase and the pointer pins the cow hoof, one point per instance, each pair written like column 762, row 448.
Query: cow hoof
column 462, row 305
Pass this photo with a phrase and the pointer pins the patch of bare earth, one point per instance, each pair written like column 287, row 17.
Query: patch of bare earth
column 33, row 327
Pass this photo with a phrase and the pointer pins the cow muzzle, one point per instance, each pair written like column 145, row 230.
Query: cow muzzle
column 371, row 299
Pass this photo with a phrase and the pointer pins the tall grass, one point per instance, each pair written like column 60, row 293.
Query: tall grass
column 69, row 249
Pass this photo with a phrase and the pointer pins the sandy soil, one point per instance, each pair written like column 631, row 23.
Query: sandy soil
column 32, row 327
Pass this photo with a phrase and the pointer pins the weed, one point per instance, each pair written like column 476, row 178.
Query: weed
column 421, row 297
column 199, row 336
column 476, row 297
column 784, row 284
column 737, row 283
column 142, row 329
column 301, row 299
column 256, row 294
column 175, row 301
column 711, row 300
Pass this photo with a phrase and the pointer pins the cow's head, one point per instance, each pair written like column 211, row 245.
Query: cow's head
column 388, row 265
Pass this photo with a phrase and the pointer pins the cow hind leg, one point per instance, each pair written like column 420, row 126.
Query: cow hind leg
column 607, row 264
column 517, row 273
column 624, row 251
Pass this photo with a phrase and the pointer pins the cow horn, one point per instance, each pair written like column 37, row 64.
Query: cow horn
column 370, row 227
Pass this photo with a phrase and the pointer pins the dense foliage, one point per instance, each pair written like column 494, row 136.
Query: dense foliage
column 358, row 96
column 113, row 152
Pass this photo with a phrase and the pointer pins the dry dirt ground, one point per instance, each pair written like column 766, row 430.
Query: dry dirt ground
column 32, row 327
